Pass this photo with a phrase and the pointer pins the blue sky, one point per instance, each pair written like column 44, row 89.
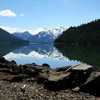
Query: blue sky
column 31, row 14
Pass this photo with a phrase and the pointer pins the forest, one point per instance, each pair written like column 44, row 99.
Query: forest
column 85, row 34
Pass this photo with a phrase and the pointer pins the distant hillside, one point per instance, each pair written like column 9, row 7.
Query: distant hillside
column 85, row 34
column 6, row 37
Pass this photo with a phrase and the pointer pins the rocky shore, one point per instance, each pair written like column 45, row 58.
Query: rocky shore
column 34, row 82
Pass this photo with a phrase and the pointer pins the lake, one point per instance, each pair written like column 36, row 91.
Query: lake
column 56, row 56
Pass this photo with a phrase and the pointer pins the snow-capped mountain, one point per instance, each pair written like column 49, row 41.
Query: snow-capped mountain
column 41, row 34
column 23, row 35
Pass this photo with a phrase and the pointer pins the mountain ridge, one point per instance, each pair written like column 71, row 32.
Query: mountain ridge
column 42, row 35
column 6, row 37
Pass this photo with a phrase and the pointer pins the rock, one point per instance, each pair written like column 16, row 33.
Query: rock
column 15, row 68
column 30, row 71
column 37, row 68
column 34, row 64
column 76, row 89
column 13, row 78
column 62, row 68
column 13, row 62
column 81, row 68
column 46, row 65
column 2, row 60
column 78, row 78
column 31, row 80
column 42, row 77
column 58, row 81
column 92, row 85
column 23, row 88
column 5, row 70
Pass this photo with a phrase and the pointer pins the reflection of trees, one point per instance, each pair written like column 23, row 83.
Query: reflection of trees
column 86, row 54
column 7, row 48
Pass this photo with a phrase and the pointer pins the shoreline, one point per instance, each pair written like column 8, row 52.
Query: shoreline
column 34, row 82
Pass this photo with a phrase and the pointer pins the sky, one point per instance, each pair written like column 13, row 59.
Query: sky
column 31, row 14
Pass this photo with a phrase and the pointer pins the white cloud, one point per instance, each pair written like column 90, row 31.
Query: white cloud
column 11, row 30
column 21, row 14
column 7, row 13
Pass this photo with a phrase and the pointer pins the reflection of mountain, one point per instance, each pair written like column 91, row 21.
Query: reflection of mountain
column 89, row 54
column 39, row 51
column 6, row 48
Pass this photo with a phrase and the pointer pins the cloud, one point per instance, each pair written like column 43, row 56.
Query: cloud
column 10, row 30
column 7, row 12
column 22, row 14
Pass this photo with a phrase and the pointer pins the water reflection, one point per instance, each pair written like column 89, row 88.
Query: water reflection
column 7, row 48
column 86, row 54
column 39, row 54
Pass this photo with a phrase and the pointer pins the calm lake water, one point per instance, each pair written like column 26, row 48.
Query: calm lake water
column 56, row 56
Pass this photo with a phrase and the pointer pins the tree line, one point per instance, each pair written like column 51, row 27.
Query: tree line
column 84, row 34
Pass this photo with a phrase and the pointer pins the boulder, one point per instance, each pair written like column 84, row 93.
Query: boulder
column 45, row 65
column 15, row 69
column 35, row 67
column 13, row 78
column 92, row 85
column 58, row 81
column 42, row 77
column 30, row 71
column 81, row 68
column 3, row 60
column 62, row 68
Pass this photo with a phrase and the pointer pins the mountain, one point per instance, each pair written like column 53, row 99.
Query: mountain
column 23, row 35
column 85, row 34
column 6, row 37
column 41, row 34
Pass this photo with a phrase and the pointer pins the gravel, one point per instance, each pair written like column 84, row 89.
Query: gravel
column 33, row 91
